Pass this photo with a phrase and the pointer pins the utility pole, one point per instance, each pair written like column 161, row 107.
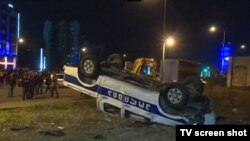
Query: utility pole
column 164, row 17
column 164, row 34
column 223, row 45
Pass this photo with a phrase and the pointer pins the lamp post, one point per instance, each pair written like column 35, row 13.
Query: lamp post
column 21, row 41
column 223, row 45
column 169, row 42
column 213, row 29
column 164, row 17
column 164, row 32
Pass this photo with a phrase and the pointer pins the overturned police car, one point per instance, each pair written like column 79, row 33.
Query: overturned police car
column 124, row 94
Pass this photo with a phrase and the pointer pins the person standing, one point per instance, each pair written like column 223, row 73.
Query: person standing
column 5, row 78
column 54, row 85
column 32, row 84
column 48, row 82
column 11, row 84
column 1, row 78
column 25, row 84
column 39, row 85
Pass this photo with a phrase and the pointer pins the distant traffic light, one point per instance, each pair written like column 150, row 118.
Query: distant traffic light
column 205, row 72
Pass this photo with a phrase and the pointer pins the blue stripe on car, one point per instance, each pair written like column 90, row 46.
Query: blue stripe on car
column 122, row 97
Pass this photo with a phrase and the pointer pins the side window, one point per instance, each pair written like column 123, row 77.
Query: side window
column 112, row 109
column 135, row 116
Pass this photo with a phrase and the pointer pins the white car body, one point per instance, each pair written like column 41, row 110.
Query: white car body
column 127, row 99
column 60, row 79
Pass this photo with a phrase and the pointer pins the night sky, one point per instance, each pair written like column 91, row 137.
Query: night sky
column 136, row 28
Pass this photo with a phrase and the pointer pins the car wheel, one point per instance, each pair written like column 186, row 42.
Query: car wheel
column 194, row 86
column 115, row 60
column 175, row 96
column 88, row 66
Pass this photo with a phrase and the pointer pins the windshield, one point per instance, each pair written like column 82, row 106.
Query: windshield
column 146, row 70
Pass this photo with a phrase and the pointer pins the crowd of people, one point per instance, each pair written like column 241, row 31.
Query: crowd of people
column 32, row 82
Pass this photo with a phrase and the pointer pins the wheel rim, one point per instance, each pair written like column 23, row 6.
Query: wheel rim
column 88, row 66
column 174, row 95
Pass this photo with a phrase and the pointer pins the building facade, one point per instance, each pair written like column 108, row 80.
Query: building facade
column 9, row 32
column 239, row 71
column 47, row 38
column 61, row 44
column 74, row 31
column 225, row 53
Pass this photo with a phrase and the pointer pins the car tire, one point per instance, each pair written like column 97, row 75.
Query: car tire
column 175, row 95
column 194, row 86
column 88, row 66
column 115, row 61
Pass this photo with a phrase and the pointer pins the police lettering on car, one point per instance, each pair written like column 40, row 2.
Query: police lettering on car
column 129, row 100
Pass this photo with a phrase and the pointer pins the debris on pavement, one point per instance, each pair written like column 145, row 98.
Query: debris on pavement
column 60, row 127
column 20, row 128
column 107, row 119
column 99, row 136
column 235, row 110
column 53, row 133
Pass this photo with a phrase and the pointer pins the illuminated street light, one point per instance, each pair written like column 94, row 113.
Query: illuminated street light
column 212, row 29
column 20, row 40
column 10, row 5
column 170, row 42
column 242, row 46
column 84, row 49
column 124, row 55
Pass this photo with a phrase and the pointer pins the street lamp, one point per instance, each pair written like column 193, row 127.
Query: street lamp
column 19, row 41
column 169, row 42
column 242, row 46
column 124, row 55
column 164, row 17
column 213, row 29
column 84, row 49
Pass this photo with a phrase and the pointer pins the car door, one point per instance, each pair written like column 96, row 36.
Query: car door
column 110, row 97
column 138, row 103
